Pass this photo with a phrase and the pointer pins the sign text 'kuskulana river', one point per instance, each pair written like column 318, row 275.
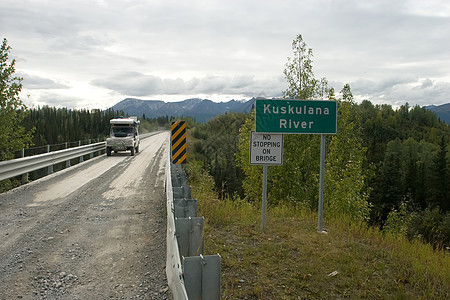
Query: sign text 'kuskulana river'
column 296, row 116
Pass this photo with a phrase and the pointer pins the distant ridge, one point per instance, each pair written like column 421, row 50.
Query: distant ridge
column 200, row 109
column 442, row 111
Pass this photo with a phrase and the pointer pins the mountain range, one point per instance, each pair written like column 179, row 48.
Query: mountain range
column 200, row 109
column 203, row 109
column 442, row 111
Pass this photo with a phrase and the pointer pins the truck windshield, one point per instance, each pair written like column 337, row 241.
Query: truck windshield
column 121, row 131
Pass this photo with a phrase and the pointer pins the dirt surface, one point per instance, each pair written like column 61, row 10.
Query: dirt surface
column 93, row 231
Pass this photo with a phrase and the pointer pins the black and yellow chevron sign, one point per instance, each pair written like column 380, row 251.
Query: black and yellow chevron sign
column 179, row 142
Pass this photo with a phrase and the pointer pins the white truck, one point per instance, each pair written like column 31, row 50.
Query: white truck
column 124, row 135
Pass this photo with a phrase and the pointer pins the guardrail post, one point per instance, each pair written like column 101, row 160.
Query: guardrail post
column 99, row 151
column 24, row 176
column 67, row 161
column 189, row 235
column 50, row 168
column 91, row 155
column 81, row 157
column 202, row 277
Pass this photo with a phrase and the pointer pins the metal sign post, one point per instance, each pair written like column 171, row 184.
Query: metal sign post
column 299, row 117
column 265, row 150
column 264, row 198
column 321, row 182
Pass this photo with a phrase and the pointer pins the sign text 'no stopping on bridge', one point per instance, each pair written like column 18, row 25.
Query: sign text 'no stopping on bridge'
column 266, row 149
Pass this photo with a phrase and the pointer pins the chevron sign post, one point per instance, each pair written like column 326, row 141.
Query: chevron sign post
column 178, row 142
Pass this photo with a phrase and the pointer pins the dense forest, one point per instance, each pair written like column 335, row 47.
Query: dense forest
column 408, row 149
column 53, row 126
column 56, row 126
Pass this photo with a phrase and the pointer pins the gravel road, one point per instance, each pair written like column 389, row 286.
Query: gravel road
column 93, row 231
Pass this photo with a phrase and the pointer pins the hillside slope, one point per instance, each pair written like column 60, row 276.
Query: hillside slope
column 291, row 260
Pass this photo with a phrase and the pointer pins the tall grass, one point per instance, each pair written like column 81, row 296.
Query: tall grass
column 290, row 260
column 422, row 266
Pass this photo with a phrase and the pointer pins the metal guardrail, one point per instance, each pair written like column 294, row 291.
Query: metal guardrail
column 19, row 166
column 24, row 165
column 174, row 269
column 190, row 275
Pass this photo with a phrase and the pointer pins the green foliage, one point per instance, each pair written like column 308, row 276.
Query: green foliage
column 149, row 125
column 440, row 185
column 431, row 226
column 203, row 182
column 390, row 196
column 253, row 174
column 8, row 184
column 300, row 76
column 408, row 149
column 397, row 220
column 222, row 211
column 216, row 145
column 345, row 175
column 296, row 181
column 13, row 136
column 58, row 125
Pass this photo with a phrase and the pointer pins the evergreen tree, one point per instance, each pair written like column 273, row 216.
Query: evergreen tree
column 388, row 190
column 217, row 143
column 440, row 185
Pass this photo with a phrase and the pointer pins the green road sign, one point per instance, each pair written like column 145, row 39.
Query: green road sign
column 296, row 116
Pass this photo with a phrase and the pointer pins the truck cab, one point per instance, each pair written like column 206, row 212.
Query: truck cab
column 124, row 135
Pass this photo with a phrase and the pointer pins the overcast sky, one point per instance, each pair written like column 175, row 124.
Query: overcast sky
column 93, row 54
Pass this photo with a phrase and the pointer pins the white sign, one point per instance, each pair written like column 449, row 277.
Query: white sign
column 266, row 149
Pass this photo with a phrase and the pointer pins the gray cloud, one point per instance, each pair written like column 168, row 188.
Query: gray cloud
column 51, row 98
column 36, row 82
column 387, row 50
column 140, row 85
column 398, row 91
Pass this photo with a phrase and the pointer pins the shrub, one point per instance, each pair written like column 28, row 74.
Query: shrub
column 431, row 226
